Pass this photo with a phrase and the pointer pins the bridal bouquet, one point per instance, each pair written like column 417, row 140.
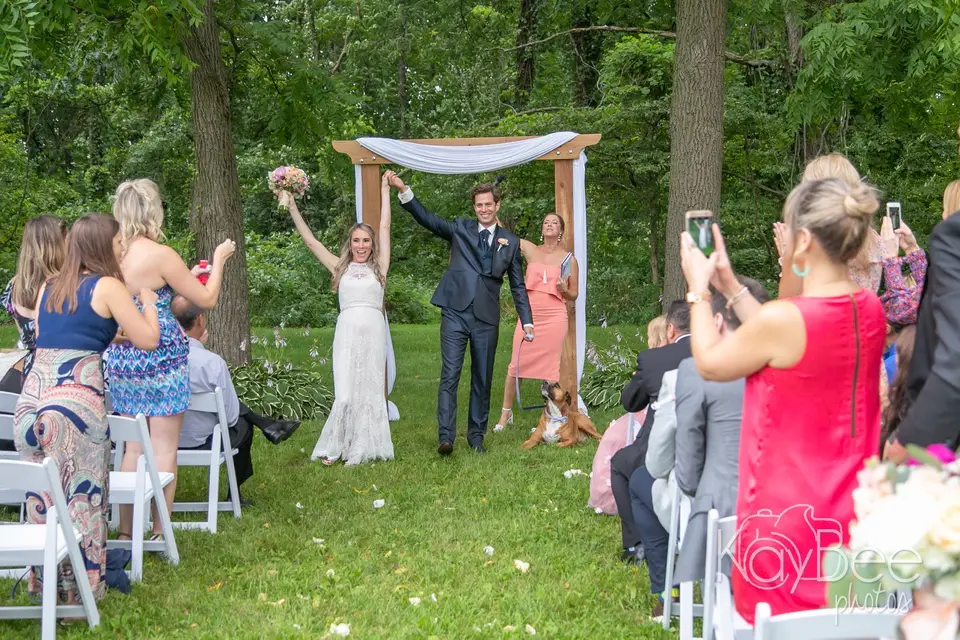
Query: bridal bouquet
column 290, row 179
column 906, row 535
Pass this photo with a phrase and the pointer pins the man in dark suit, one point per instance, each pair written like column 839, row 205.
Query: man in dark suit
column 469, row 296
column 642, row 392
column 933, row 382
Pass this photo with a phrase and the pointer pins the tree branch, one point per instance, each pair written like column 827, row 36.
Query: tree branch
column 669, row 35
column 520, row 113
column 336, row 65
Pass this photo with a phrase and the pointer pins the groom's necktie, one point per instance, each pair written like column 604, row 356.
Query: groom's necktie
column 484, row 240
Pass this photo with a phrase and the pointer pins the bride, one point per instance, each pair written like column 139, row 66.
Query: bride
column 357, row 429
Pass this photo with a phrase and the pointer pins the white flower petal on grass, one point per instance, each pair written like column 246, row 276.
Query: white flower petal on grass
column 342, row 629
column 433, row 597
column 488, row 550
column 415, row 602
column 378, row 504
column 498, row 427
column 521, row 565
column 319, row 541
column 331, row 573
column 375, row 488
column 572, row 473
column 530, row 630
column 299, row 506
column 297, row 627
column 509, row 628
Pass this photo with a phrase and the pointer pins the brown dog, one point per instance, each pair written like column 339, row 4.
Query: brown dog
column 558, row 424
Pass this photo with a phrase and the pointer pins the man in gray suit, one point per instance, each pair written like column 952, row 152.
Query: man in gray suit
column 708, row 443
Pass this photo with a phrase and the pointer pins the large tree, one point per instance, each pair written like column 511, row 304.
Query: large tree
column 696, row 125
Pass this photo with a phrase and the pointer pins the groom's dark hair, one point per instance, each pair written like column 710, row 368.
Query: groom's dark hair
column 486, row 187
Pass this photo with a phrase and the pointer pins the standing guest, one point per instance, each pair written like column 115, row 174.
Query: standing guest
column 358, row 428
column 61, row 413
column 550, row 297
column 901, row 299
column 932, row 392
column 615, row 437
column 41, row 256
column 642, row 391
column 155, row 383
column 798, row 459
column 865, row 268
column 208, row 371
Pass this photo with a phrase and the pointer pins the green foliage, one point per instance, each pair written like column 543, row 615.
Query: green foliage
column 272, row 390
column 609, row 372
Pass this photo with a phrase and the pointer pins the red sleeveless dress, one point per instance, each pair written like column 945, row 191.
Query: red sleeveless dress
column 805, row 434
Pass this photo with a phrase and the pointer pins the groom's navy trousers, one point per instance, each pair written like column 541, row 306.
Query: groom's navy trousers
column 456, row 329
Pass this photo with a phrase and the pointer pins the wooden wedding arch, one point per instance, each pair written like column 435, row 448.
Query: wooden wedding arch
column 562, row 157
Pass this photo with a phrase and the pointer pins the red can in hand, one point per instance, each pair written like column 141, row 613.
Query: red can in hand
column 203, row 277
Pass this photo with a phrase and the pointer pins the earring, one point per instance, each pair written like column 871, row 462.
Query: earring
column 560, row 237
column 541, row 238
column 799, row 273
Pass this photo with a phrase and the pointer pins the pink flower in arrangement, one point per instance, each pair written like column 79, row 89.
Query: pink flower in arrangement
column 941, row 452
column 290, row 179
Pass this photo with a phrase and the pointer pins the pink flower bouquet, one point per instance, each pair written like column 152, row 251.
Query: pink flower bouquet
column 290, row 179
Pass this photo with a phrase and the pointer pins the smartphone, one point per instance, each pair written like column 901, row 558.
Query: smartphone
column 700, row 228
column 893, row 212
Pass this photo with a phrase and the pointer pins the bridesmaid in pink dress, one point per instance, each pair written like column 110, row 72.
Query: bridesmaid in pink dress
column 550, row 299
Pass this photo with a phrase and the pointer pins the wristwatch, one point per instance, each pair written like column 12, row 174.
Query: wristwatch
column 694, row 298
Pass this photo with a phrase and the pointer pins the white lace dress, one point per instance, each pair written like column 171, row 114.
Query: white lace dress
column 357, row 429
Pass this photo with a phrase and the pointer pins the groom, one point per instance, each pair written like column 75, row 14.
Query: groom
column 469, row 297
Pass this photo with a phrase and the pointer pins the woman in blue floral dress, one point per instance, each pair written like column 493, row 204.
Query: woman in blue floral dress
column 156, row 383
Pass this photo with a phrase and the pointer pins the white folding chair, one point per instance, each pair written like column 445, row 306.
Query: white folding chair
column 8, row 402
column 825, row 624
column 138, row 488
column 679, row 516
column 720, row 619
column 8, row 496
column 211, row 403
column 44, row 545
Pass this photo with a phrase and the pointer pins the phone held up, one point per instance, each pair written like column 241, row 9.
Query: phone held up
column 700, row 228
column 893, row 212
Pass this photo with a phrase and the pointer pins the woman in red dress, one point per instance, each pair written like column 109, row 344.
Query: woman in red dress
column 811, row 409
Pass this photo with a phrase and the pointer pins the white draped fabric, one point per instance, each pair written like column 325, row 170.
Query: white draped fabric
column 456, row 160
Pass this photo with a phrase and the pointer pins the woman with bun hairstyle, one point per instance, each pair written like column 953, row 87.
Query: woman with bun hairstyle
column 155, row 383
column 811, row 407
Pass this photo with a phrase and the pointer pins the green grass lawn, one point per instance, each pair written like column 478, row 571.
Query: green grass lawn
column 265, row 576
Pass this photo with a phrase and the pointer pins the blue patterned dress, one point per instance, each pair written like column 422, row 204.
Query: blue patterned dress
column 154, row 383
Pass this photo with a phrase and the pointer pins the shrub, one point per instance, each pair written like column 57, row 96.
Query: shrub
column 600, row 387
column 272, row 389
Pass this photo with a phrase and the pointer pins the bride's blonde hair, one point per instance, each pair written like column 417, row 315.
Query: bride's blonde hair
column 346, row 256
column 139, row 210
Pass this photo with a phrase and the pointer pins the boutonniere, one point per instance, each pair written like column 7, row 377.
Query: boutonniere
column 503, row 243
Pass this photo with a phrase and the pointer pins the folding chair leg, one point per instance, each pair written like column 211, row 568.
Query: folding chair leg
column 671, row 561
column 686, row 611
column 166, row 524
column 213, row 498
column 50, row 579
column 136, row 534
column 232, row 483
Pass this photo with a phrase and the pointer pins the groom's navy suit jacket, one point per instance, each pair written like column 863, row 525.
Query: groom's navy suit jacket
column 473, row 276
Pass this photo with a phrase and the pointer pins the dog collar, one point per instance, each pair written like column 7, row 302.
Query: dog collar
column 560, row 419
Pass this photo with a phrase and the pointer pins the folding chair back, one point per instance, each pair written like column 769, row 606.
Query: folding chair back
column 8, row 401
column 44, row 544
column 221, row 452
column 825, row 624
column 9, row 495
column 138, row 488
column 679, row 516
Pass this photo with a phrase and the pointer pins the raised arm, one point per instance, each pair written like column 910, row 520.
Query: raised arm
column 429, row 221
column 316, row 247
column 527, row 248
column 384, row 232
column 177, row 275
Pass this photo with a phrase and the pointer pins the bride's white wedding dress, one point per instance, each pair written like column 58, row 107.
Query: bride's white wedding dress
column 357, row 429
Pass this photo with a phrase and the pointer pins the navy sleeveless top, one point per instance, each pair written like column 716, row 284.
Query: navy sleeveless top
column 82, row 330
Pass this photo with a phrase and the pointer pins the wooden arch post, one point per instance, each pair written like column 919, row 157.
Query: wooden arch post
column 562, row 158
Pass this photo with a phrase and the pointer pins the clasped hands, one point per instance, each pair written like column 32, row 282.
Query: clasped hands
column 701, row 272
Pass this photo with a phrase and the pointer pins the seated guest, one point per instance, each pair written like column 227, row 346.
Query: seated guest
column 708, row 441
column 207, row 372
column 640, row 392
column 687, row 408
column 933, row 394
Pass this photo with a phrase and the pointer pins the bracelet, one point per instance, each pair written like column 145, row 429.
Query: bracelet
column 736, row 297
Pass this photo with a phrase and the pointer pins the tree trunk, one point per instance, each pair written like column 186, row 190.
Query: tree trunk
column 526, row 32
column 588, row 49
column 312, row 25
column 217, row 212
column 696, row 125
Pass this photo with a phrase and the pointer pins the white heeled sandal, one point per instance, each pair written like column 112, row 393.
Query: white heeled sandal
column 499, row 427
